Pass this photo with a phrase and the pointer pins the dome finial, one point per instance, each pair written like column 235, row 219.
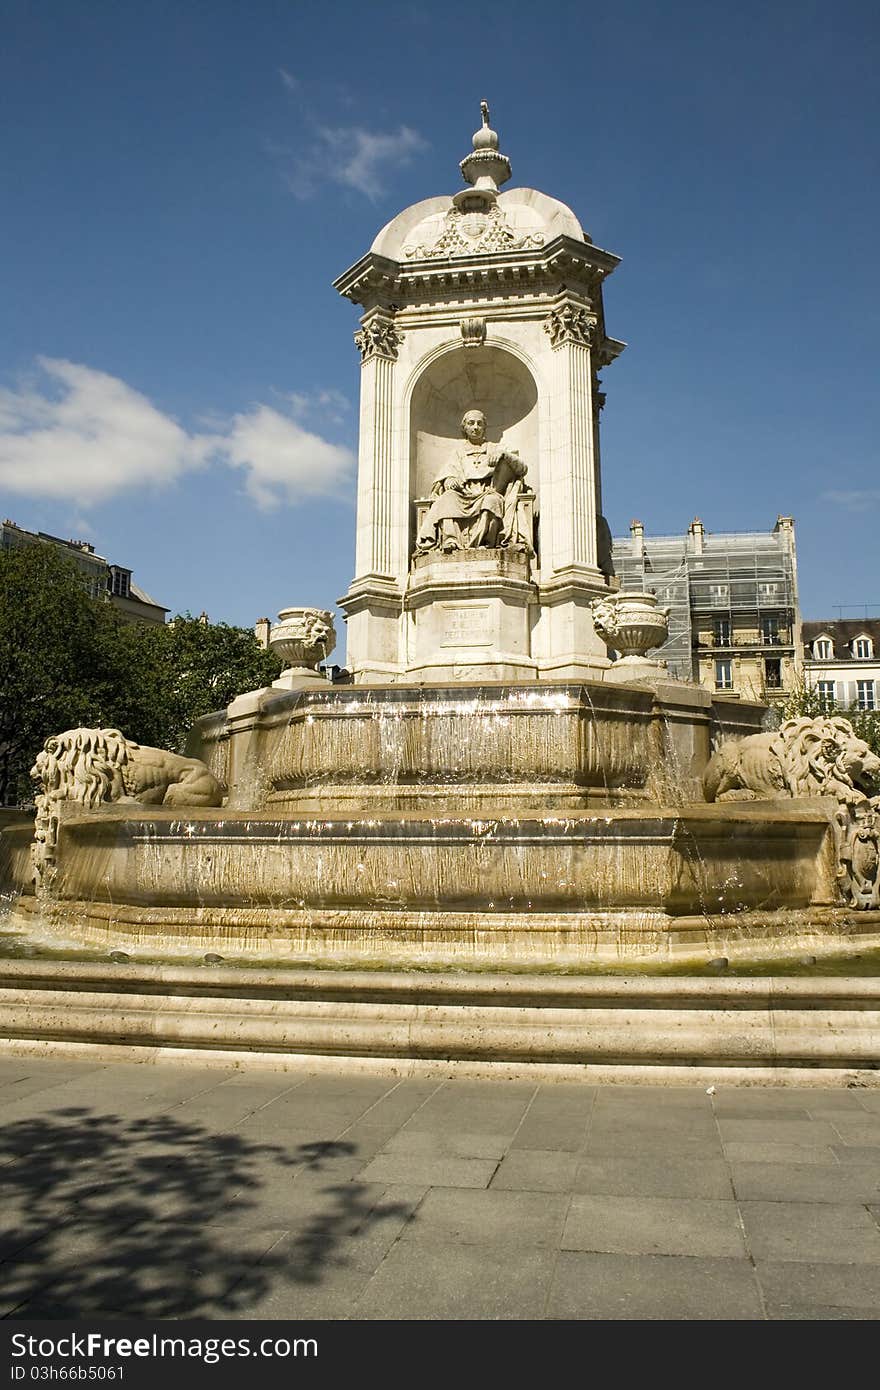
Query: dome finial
column 486, row 169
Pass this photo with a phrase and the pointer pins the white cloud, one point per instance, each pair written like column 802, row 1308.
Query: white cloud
column 85, row 436
column 290, row 82
column 89, row 437
column 855, row 500
column 354, row 157
column 283, row 461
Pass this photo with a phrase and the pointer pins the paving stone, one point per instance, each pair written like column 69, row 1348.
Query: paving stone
column 650, row 1176
column 489, row 1218
column 816, row 1133
column 857, row 1153
column 536, row 1170
column 290, row 1299
column 858, row 1131
column 819, row 1284
column 815, row 1232
column 748, row 1109
column 366, row 1140
column 653, row 1226
column 628, row 1141
column 458, row 1144
column 332, row 1202
column 418, row 1170
column 805, row 1182
column 565, row 1133
column 420, row 1280
column 793, row 1312
column 602, row 1287
column 401, row 1103
column 772, row 1152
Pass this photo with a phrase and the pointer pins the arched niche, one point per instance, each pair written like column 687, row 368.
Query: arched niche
column 485, row 378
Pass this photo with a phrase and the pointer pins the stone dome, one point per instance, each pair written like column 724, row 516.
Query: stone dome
column 533, row 219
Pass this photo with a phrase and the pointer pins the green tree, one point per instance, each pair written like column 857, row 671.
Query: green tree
column 805, row 700
column 58, row 657
column 67, row 659
column 189, row 668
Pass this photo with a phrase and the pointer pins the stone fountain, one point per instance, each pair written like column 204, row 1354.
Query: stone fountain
column 503, row 775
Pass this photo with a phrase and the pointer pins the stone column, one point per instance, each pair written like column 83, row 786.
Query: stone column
column 571, row 327
column 378, row 341
column 374, row 602
column 570, row 574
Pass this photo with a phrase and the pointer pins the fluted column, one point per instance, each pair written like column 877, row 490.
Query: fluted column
column 571, row 327
column 378, row 341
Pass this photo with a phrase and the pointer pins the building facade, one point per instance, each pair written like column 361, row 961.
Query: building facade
column 102, row 579
column 734, row 619
column 842, row 662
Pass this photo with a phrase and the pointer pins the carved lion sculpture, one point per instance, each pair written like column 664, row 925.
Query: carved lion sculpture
column 93, row 766
column 805, row 757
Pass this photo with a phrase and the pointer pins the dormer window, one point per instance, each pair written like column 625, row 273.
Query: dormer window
column 863, row 649
column 119, row 581
column 823, row 649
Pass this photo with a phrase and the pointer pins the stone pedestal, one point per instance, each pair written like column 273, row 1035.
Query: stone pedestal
column 468, row 617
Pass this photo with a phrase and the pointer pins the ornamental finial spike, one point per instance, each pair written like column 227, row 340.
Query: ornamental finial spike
column 486, row 169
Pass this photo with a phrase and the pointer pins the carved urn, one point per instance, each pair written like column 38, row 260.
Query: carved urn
column 633, row 624
column 302, row 637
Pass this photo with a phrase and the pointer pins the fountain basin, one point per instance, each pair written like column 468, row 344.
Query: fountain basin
column 501, row 746
column 626, row 881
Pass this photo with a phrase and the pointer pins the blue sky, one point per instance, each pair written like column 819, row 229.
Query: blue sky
column 182, row 182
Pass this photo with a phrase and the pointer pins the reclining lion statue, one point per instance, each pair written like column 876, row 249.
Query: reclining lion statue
column 805, row 757
column 95, row 766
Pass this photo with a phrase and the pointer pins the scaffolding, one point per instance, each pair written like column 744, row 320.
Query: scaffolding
column 740, row 585
column 664, row 572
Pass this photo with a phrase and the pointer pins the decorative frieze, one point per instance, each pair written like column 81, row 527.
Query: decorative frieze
column 379, row 338
column 474, row 231
column 570, row 323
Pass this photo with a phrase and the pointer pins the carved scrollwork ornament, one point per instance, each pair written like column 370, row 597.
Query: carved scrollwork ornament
column 569, row 323
column 473, row 331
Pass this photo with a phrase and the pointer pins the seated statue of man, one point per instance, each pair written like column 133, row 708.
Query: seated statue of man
column 475, row 496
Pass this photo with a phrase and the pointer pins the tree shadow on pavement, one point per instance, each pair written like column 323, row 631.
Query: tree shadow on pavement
column 160, row 1218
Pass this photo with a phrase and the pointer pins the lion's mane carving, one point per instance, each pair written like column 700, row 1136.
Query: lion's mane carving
column 805, row 757
column 91, row 767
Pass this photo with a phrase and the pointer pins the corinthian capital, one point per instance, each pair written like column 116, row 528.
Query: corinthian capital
column 570, row 323
column 378, row 338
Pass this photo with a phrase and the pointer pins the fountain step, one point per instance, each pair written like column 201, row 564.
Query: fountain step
column 753, row 1030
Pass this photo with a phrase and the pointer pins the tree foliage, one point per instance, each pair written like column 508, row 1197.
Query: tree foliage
column 805, row 700
column 67, row 659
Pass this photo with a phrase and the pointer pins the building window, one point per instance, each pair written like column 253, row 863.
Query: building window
column 723, row 675
column 721, row 632
column 773, row 674
column 768, row 592
column 865, row 695
column 825, row 691
column 863, row 648
column 770, row 630
column 823, row 649
column 119, row 581
column 719, row 594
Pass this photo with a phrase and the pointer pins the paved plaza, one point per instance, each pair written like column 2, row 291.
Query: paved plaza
column 184, row 1190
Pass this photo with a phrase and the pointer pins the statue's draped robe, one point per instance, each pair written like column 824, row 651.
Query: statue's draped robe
column 474, row 500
